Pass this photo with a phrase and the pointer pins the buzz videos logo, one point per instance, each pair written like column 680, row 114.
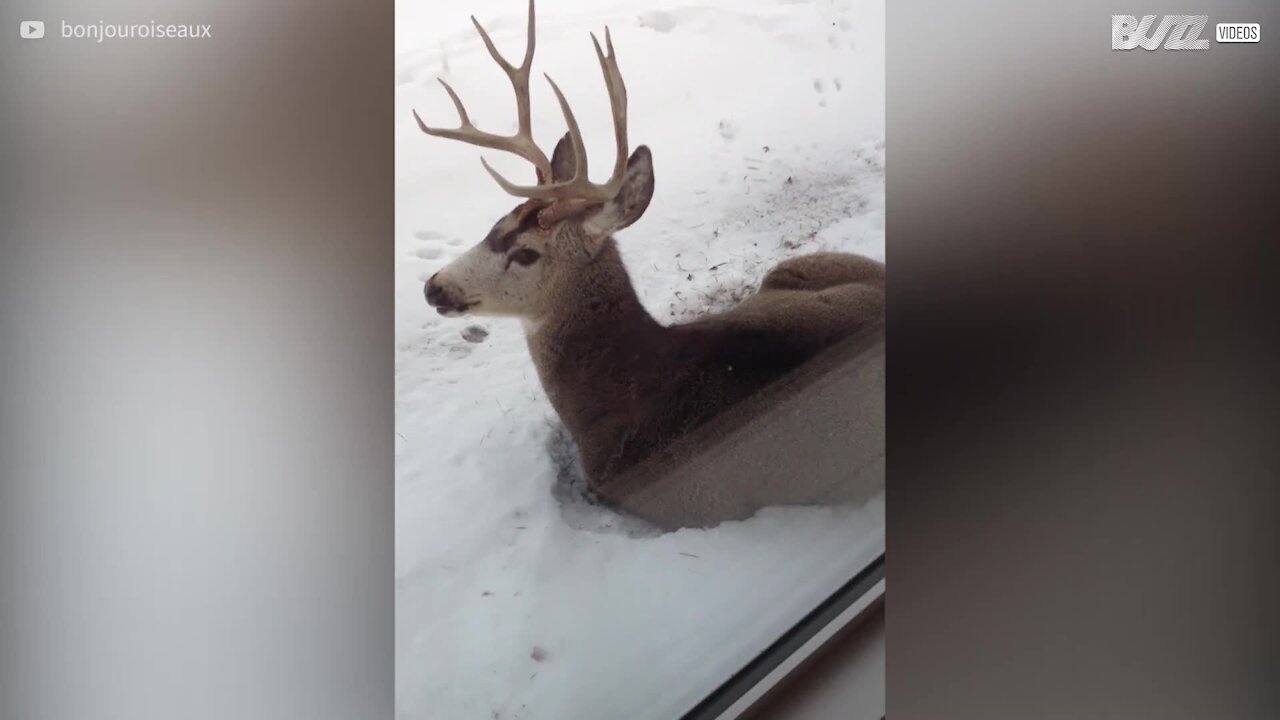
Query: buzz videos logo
column 1175, row 32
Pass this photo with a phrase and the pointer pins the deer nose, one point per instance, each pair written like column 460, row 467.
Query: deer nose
column 433, row 291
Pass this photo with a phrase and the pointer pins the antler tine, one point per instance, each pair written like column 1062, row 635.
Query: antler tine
column 519, row 76
column 528, row 50
column 579, row 187
column 522, row 143
column 462, row 115
column 618, row 104
column 545, row 192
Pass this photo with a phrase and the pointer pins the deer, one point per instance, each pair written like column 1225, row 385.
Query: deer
column 624, row 384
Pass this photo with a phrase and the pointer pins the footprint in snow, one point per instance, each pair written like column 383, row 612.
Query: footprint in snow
column 821, row 89
column 659, row 21
column 434, row 244
column 474, row 334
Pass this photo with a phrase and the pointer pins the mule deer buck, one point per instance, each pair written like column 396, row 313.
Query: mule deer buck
column 623, row 384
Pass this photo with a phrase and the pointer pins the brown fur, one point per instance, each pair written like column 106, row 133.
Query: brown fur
column 625, row 385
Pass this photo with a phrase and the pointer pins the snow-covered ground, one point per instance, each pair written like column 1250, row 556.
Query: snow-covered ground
column 766, row 120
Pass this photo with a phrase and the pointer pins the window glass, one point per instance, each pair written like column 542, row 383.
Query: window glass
column 522, row 591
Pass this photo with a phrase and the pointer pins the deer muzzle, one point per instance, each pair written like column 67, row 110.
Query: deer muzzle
column 447, row 301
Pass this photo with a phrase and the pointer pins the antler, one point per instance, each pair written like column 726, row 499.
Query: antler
column 521, row 143
column 579, row 187
column 578, row 190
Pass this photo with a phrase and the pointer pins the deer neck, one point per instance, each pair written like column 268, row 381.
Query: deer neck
column 595, row 342
column 597, row 305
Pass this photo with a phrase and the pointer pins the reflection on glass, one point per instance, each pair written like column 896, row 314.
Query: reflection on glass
column 627, row 464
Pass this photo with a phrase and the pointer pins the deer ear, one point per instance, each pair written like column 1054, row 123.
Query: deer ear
column 631, row 201
column 563, row 163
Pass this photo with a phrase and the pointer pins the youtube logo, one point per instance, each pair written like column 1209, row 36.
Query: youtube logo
column 31, row 29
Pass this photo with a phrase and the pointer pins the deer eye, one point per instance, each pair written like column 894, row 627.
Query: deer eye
column 525, row 256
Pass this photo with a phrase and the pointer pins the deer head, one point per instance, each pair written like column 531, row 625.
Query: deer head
column 531, row 256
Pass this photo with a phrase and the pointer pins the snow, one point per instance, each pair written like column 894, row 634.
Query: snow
column 515, row 598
